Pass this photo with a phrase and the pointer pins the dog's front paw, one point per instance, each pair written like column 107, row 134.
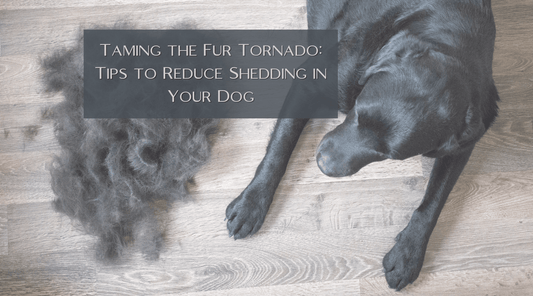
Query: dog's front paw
column 403, row 263
column 246, row 213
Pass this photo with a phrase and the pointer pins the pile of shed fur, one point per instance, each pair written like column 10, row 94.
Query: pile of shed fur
column 113, row 174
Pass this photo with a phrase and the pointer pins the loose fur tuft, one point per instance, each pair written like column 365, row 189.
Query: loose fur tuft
column 112, row 174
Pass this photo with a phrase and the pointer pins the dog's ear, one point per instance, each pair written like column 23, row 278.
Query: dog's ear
column 473, row 131
column 474, row 127
column 383, row 62
column 369, row 72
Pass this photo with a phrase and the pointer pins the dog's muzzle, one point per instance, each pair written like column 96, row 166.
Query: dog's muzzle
column 343, row 153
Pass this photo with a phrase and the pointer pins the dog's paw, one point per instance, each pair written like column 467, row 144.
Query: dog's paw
column 246, row 214
column 403, row 263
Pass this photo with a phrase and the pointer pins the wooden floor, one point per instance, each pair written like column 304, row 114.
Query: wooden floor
column 323, row 236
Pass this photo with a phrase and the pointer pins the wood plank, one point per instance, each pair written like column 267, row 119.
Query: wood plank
column 215, row 262
column 512, row 65
column 370, row 203
column 380, row 203
column 497, row 5
column 497, row 281
column 514, row 90
column 59, row 27
column 509, row 60
column 4, row 232
column 506, row 147
column 20, row 79
column 349, row 287
column 25, row 178
column 496, row 196
column 43, row 4
column 47, row 254
column 36, row 228
column 35, row 136
column 307, row 208
column 55, row 273
column 219, row 263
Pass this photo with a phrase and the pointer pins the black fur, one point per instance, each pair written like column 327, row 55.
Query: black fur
column 415, row 77
column 113, row 175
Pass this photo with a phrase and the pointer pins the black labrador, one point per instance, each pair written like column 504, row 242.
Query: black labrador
column 415, row 77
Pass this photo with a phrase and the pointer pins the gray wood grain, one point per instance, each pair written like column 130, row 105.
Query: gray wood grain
column 4, row 237
column 323, row 236
column 500, row 281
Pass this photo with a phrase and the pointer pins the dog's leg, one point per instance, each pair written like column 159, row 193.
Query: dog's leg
column 246, row 213
column 403, row 263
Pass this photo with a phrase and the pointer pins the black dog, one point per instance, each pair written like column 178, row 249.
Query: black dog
column 415, row 77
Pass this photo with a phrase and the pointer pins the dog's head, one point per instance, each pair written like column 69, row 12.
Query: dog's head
column 414, row 101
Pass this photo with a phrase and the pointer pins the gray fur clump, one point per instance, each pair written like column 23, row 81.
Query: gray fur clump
column 113, row 175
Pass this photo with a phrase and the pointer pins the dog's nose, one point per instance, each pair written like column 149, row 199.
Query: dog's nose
column 326, row 162
column 327, row 167
column 322, row 162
